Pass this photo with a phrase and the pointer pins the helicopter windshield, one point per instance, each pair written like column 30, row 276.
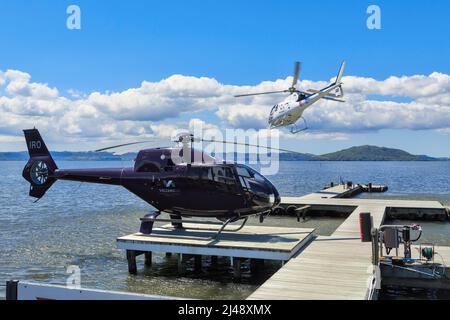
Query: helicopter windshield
column 248, row 177
column 274, row 109
column 301, row 97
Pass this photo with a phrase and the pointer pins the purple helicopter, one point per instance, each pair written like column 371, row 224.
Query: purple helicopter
column 202, row 187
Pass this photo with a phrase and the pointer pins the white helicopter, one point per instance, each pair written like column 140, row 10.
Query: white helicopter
column 287, row 112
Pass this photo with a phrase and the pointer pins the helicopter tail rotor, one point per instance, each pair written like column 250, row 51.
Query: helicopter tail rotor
column 40, row 167
column 297, row 65
column 290, row 90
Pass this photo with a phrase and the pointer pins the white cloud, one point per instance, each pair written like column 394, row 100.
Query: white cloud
column 245, row 116
column 416, row 86
column 4, row 138
column 444, row 130
column 19, row 85
column 155, row 101
column 164, row 130
column 154, row 109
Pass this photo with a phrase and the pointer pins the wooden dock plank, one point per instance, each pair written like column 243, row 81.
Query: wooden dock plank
column 350, row 227
column 323, row 270
column 414, row 204
column 335, row 267
column 263, row 242
column 337, row 191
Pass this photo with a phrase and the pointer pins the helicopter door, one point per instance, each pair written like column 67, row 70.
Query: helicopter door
column 213, row 184
column 223, row 176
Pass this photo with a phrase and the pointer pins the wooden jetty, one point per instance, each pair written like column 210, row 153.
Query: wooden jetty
column 324, row 267
column 339, row 266
column 346, row 190
column 251, row 242
column 409, row 209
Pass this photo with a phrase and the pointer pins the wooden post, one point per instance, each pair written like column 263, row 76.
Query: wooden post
column 253, row 266
column 11, row 289
column 375, row 247
column 256, row 265
column 180, row 263
column 197, row 262
column 131, row 257
column 237, row 267
column 213, row 261
column 148, row 258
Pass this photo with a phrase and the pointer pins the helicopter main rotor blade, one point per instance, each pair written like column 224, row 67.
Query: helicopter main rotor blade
column 296, row 73
column 123, row 145
column 259, row 93
column 246, row 144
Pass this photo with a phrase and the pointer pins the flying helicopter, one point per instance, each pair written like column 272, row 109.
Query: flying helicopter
column 181, row 181
column 290, row 110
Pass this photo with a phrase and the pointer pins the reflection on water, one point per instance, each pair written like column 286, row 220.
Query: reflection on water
column 404, row 293
column 77, row 224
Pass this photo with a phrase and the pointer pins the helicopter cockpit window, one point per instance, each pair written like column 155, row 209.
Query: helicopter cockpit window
column 274, row 109
column 250, row 179
column 243, row 174
column 223, row 175
column 242, row 171
column 218, row 178
column 206, row 174
column 258, row 177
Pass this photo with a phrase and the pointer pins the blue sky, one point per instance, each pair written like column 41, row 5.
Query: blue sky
column 123, row 43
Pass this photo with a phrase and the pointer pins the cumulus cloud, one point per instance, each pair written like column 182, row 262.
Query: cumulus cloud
column 428, row 106
column 156, row 101
column 155, row 109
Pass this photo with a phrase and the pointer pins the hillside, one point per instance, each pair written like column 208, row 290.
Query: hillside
column 371, row 153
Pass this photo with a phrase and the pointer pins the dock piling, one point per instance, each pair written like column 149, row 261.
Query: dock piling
column 131, row 258
column 148, row 259
column 180, row 263
column 237, row 267
column 213, row 261
column 197, row 262
column 256, row 265
column 11, row 289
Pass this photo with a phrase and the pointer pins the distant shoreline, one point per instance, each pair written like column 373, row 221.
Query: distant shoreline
column 360, row 153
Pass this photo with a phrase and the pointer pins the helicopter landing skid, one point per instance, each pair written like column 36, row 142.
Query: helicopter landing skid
column 149, row 219
column 294, row 128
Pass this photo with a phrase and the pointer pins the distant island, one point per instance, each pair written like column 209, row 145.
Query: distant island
column 360, row 153
column 374, row 153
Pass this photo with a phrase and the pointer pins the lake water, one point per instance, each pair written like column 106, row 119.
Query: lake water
column 77, row 224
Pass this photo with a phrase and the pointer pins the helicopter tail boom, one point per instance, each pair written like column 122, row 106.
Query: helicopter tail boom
column 40, row 167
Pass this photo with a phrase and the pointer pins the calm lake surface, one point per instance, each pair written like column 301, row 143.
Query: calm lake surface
column 77, row 224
